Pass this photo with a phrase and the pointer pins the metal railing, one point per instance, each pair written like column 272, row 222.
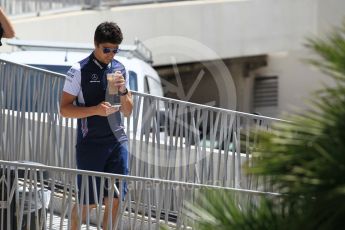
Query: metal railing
column 183, row 141
column 169, row 139
column 42, row 197
column 36, row 7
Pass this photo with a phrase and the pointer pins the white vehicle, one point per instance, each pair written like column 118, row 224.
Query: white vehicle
column 59, row 57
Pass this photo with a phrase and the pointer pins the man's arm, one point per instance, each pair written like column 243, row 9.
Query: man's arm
column 126, row 100
column 68, row 109
column 126, row 104
column 6, row 25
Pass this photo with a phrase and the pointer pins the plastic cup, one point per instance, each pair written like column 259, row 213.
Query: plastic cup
column 113, row 90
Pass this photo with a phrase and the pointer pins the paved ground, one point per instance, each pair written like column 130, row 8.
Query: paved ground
column 57, row 226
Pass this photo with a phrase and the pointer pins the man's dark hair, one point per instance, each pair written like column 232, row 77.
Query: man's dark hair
column 108, row 32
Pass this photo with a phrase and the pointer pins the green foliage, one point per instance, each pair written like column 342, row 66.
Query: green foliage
column 331, row 53
column 221, row 209
column 305, row 160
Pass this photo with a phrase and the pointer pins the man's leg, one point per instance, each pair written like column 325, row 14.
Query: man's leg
column 75, row 217
column 117, row 164
column 89, row 157
column 115, row 205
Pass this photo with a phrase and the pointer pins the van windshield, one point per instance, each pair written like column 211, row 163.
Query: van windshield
column 133, row 79
column 55, row 68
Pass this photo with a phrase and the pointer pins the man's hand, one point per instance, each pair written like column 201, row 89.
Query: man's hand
column 6, row 25
column 120, row 81
column 126, row 100
column 104, row 109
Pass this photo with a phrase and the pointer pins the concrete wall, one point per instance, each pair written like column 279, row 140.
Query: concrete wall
column 330, row 13
column 198, row 31
column 297, row 79
column 229, row 28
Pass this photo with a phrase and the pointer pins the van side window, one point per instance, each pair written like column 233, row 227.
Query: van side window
column 133, row 80
column 146, row 85
column 153, row 85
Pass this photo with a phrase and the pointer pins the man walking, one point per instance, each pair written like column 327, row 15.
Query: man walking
column 101, row 140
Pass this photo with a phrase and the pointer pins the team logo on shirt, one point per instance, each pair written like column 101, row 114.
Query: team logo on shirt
column 94, row 78
column 71, row 73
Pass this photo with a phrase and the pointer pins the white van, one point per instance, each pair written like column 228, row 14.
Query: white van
column 59, row 57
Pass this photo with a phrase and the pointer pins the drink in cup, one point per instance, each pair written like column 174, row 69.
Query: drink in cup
column 111, row 77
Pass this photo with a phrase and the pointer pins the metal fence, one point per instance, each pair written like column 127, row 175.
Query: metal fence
column 169, row 139
column 183, row 141
column 41, row 197
column 18, row 7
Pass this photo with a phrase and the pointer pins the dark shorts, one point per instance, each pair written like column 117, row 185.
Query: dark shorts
column 109, row 158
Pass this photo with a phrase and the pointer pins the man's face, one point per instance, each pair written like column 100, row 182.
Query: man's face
column 105, row 52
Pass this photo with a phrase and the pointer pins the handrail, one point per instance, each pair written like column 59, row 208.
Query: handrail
column 47, row 73
column 40, row 167
column 49, row 194
column 215, row 109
